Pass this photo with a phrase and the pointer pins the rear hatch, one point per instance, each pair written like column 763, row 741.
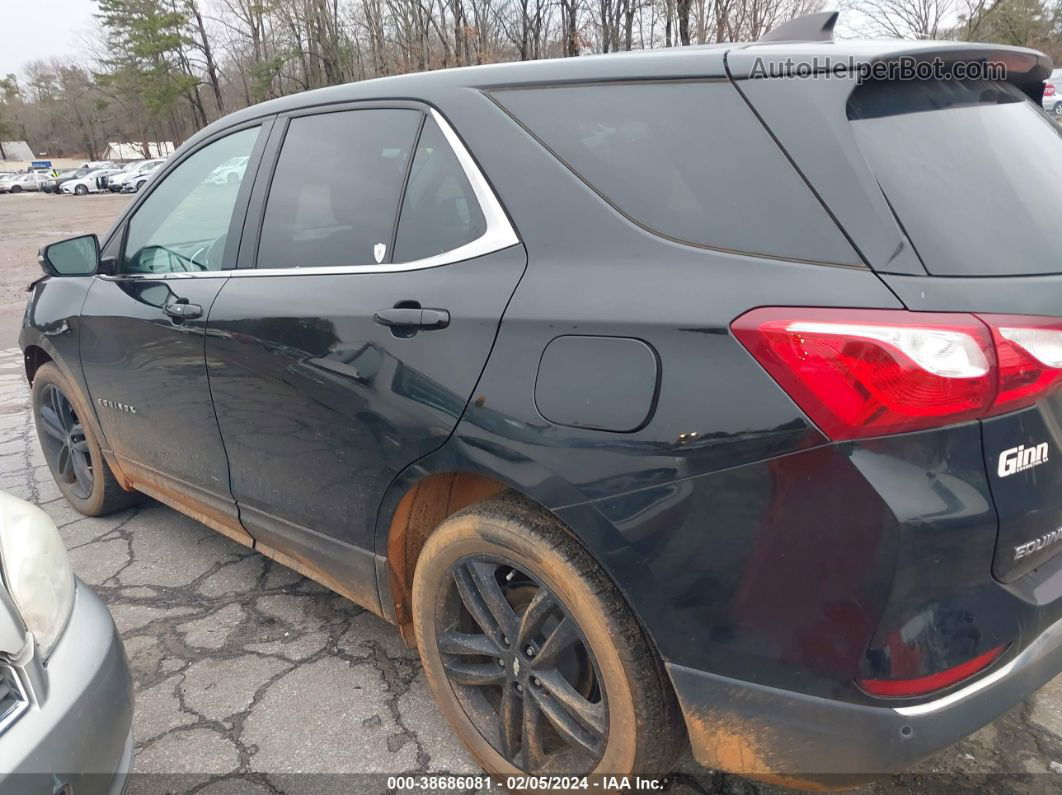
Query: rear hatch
column 952, row 190
column 973, row 171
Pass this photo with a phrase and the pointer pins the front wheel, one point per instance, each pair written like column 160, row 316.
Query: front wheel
column 533, row 655
column 70, row 447
column 80, row 190
column 16, row 189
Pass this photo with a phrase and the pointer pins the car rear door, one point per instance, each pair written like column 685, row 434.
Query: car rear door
column 377, row 275
column 143, row 326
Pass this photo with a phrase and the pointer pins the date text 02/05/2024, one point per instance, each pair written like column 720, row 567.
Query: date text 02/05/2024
column 401, row 784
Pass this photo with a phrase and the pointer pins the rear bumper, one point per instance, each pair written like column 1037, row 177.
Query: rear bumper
column 78, row 729
column 764, row 732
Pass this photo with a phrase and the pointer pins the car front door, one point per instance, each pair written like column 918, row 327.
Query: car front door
column 383, row 264
column 143, row 326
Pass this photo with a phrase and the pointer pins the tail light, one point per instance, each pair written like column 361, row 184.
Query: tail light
column 899, row 688
column 871, row 372
column 1049, row 90
column 1029, row 350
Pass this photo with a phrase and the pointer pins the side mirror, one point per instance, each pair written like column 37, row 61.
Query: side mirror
column 76, row 256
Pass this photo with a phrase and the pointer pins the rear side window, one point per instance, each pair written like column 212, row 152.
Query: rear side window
column 334, row 196
column 688, row 160
column 439, row 210
column 972, row 169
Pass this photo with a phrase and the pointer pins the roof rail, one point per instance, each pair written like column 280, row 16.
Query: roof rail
column 810, row 27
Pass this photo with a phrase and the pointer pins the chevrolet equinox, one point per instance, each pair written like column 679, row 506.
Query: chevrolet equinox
column 700, row 398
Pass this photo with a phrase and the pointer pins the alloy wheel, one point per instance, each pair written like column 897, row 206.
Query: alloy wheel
column 521, row 667
column 65, row 446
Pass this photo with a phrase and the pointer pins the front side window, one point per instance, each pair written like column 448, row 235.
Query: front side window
column 334, row 196
column 183, row 225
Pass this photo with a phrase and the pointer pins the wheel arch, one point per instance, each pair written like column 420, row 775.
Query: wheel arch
column 33, row 357
column 423, row 505
column 418, row 503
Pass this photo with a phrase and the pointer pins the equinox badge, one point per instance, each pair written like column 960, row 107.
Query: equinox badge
column 116, row 406
column 1045, row 540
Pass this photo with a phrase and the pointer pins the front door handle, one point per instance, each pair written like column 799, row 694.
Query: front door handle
column 413, row 318
column 182, row 310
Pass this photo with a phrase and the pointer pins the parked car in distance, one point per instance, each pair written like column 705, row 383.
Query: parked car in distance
column 229, row 172
column 7, row 176
column 31, row 181
column 640, row 455
column 90, row 183
column 124, row 168
column 97, row 164
column 117, row 182
column 52, row 184
column 140, row 179
column 66, row 696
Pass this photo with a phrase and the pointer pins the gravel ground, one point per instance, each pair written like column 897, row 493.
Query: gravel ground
column 31, row 220
column 252, row 679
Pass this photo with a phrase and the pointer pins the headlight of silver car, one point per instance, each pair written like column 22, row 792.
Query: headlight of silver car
column 36, row 569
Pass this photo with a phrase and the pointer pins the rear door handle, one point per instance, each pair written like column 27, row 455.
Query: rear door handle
column 182, row 310
column 413, row 318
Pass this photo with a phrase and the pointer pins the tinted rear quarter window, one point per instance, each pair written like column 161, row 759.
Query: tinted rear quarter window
column 972, row 169
column 439, row 210
column 686, row 159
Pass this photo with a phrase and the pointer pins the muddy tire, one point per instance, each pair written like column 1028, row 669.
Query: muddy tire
column 532, row 654
column 70, row 446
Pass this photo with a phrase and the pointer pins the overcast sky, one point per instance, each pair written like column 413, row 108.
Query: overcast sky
column 34, row 29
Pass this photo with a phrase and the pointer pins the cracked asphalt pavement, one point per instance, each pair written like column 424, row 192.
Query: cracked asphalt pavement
column 252, row 679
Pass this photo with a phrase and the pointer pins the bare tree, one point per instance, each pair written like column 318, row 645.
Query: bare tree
column 906, row 19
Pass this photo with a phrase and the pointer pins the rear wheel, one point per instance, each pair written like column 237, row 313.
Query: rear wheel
column 70, row 447
column 531, row 652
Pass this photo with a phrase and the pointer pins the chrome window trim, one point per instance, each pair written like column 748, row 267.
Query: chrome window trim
column 498, row 235
column 18, row 711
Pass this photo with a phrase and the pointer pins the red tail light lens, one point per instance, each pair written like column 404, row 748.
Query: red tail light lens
column 871, row 372
column 1049, row 90
column 859, row 373
column 898, row 688
column 1029, row 350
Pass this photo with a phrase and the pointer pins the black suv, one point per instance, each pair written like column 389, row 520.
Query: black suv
column 704, row 393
